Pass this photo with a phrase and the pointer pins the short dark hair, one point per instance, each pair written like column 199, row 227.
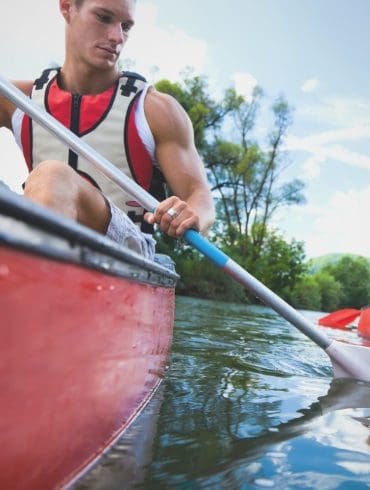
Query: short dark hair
column 79, row 3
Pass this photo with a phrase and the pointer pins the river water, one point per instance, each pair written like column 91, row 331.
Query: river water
column 248, row 402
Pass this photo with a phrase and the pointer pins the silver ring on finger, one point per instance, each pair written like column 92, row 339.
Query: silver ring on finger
column 172, row 212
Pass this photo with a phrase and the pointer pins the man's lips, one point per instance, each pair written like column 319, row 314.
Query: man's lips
column 107, row 49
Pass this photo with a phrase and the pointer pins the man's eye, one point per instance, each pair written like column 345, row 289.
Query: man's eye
column 105, row 19
column 126, row 26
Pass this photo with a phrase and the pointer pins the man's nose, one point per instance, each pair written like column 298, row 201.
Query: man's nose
column 116, row 34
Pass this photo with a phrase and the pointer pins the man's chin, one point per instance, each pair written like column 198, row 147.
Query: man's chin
column 104, row 64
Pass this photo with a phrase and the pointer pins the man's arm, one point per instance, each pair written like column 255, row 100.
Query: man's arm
column 7, row 108
column 182, row 168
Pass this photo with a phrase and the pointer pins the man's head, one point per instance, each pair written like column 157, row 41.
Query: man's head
column 96, row 30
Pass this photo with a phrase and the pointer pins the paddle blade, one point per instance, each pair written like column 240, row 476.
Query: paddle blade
column 363, row 328
column 349, row 360
column 340, row 318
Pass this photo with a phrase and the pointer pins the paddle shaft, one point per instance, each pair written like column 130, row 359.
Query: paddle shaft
column 216, row 256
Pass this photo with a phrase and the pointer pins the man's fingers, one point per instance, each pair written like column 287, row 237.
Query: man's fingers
column 173, row 217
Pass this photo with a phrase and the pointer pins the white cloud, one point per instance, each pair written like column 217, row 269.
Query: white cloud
column 351, row 133
column 342, row 224
column 245, row 83
column 331, row 145
column 30, row 53
column 310, row 85
column 312, row 166
column 337, row 111
column 339, row 226
column 162, row 52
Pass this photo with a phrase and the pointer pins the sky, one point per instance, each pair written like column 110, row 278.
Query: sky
column 315, row 52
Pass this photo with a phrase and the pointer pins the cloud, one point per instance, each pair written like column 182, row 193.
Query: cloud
column 162, row 52
column 331, row 145
column 337, row 111
column 245, row 83
column 312, row 166
column 24, row 53
column 354, row 133
column 310, row 85
column 341, row 225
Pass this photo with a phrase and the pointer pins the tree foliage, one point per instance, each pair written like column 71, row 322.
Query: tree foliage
column 344, row 284
column 246, row 177
column 353, row 274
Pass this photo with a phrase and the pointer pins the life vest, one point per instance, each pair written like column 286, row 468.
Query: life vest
column 106, row 122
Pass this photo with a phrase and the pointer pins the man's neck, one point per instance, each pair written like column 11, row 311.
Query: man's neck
column 86, row 81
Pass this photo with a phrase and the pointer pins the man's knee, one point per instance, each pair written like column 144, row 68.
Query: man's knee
column 53, row 184
column 48, row 173
column 57, row 186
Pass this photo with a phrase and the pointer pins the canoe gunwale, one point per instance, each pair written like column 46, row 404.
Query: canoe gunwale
column 34, row 229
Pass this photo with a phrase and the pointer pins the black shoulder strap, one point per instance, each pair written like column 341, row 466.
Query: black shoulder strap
column 128, row 87
column 132, row 74
column 44, row 78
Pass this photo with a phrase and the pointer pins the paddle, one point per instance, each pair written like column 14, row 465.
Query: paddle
column 340, row 318
column 349, row 361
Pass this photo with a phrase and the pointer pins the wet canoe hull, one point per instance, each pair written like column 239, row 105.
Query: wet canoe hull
column 82, row 351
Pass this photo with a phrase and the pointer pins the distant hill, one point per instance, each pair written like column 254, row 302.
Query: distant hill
column 318, row 263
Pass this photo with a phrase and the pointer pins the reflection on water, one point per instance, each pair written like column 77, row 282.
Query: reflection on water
column 249, row 402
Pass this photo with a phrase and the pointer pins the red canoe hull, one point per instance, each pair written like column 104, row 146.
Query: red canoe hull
column 82, row 352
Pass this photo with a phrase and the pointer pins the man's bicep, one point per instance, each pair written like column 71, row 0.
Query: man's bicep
column 175, row 148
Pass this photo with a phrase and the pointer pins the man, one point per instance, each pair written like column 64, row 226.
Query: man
column 145, row 133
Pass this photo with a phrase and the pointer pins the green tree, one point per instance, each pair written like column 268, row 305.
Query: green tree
column 330, row 291
column 306, row 294
column 280, row 265
column 247, row 180
column 353, row 274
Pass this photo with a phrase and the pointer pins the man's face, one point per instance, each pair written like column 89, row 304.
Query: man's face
column 98, row 30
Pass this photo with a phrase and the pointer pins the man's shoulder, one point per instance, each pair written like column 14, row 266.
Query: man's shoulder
column 163, row 104
column 165, row 115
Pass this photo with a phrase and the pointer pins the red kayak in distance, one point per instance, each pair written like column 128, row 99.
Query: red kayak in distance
column 346, row 318
column 341, row 319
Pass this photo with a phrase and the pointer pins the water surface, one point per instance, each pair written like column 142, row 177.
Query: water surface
column 248, row 402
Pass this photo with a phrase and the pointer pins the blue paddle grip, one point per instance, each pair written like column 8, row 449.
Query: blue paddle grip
column 202, row 245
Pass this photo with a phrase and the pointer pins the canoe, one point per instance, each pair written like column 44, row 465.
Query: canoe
column 363, row 328
column 86, row 329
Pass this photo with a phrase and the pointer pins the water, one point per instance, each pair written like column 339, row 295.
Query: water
column 248, row 402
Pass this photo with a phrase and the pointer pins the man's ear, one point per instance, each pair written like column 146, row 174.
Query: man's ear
column 65, row 9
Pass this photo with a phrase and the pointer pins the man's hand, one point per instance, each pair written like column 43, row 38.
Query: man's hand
column 174, row 217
